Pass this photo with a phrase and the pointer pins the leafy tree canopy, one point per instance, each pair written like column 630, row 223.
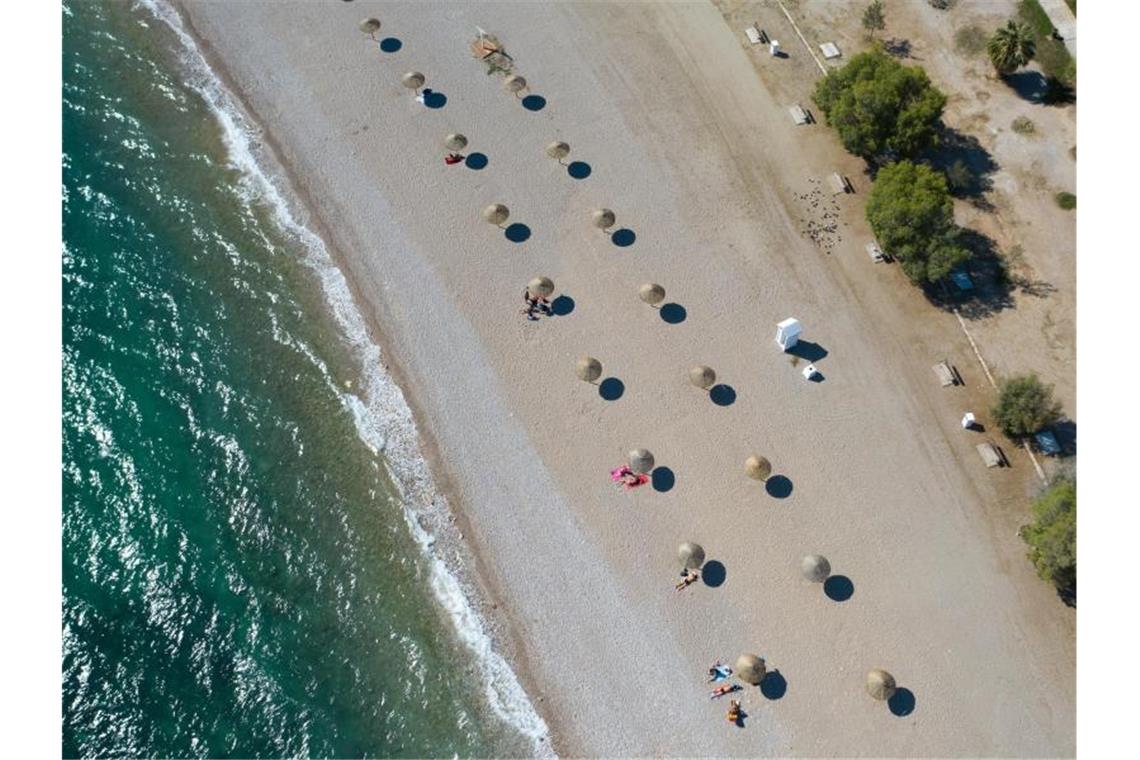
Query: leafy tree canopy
column 881, row 108
column 912, row 215
column 1025, row 405
column 1052, row 537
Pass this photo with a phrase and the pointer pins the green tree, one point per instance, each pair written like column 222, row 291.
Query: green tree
column 1052, row 538
column 1011, row 47
column 912, row 215
column 1025, row 405
column 880, row 108
column 874, row 20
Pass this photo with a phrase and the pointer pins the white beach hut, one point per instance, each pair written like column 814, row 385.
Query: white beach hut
column 788, row 333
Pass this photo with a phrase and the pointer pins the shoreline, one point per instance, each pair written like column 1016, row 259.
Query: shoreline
column 625, row 565
column 442, row 540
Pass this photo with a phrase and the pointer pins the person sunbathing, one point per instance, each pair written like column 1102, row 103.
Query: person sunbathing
column 720, row 691
column 689, row 578
column 625, row 477
column 733, row 715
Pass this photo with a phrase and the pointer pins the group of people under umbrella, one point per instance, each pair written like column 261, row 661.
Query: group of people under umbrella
column 749, row 668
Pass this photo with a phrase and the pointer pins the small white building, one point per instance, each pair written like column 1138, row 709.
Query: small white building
column 788, row 333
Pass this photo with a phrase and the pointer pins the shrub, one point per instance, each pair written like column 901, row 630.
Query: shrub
column 970, row 40
column 1052, row 538
column 1022, row 125
column 1067, row 201
column 881, row 108
column 1025, row 405
column 959, row 178
column 912, row 215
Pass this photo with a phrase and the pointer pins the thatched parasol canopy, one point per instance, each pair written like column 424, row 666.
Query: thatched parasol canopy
column 413, row 80
column 588, row 368
column 641, row 460
column 815, row 568
column 757, row 467
column 540, row 287
column 651, row 293
column 370, row 26
column 604, row 219
column 750, row 669
column 702, row 376
column 496, row 213
column 514, row 83
column 692, row 555
column 455, row 141
column 558, row 150
column 880, row 684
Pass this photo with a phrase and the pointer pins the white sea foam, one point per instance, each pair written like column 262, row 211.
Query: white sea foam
column 381, row 413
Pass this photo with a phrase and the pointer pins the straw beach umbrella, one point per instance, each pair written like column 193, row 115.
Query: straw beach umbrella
column 692, row 555
column 370, row 26
column 540, row 287
column 651, row 293
column 514, row 83
column 757, row 467
column 641, row 460
column 496, row 214
column 880, row 684
column 455, row 142
column 604, row 219
column 588, row 369
column 558, row 150
column 750, row 669
column 413, row 80
column 815, row 568
column 702, row 376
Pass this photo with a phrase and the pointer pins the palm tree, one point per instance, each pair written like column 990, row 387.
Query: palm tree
column 1011, row 47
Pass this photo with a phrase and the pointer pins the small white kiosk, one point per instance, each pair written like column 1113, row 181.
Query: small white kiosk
column 788, row 333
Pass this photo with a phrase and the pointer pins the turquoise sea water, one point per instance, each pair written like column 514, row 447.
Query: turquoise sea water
column 239, row 576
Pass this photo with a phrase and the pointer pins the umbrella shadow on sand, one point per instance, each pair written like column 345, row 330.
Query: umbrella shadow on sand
column 517, row 233
column 390, row 44
column 611, row 389
column 713, row 573
column 774, row 686
column 673, row 313
column 778, row 487
column 579, row 169
column 434, row 99
column 901, row 702
column 534, row 102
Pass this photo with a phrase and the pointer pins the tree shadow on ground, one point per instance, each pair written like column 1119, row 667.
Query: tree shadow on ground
column 1029, row 85
column 992, row 292
column 1065, row 432
column 968, row 166
column 899, row 48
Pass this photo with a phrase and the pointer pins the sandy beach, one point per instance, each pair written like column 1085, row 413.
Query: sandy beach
column 700, row 161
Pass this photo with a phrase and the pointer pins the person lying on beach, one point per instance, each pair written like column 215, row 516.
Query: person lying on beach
column 534, row 303
column 625, row 477
column 690, row 577
column 720, row 691
column 719, row 672
column 452, row 158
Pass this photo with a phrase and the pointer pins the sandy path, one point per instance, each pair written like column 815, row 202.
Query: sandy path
column 685, row 145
